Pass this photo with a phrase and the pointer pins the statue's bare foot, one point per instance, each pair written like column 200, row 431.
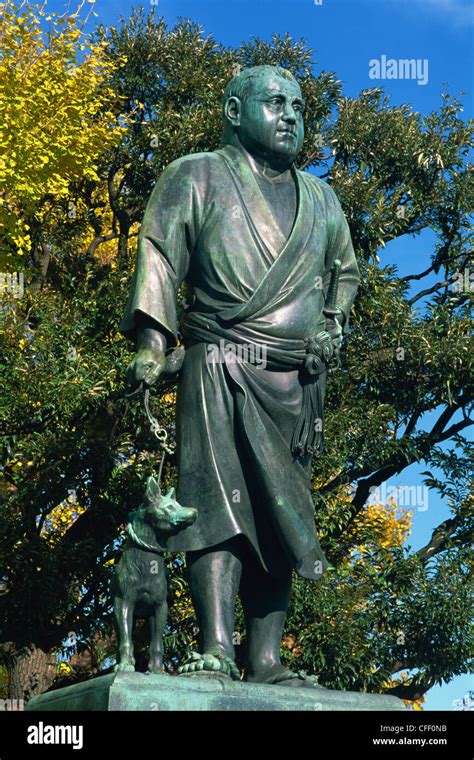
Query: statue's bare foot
column 278, row 675
column 214, row 661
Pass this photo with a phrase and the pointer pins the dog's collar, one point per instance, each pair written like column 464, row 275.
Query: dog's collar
column 142, row 544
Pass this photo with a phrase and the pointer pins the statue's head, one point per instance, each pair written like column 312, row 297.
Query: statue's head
column 263, row 109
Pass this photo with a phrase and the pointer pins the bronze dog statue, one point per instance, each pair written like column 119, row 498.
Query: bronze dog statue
column 139, row 587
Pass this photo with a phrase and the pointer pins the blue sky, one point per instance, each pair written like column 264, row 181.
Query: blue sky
column 346, row 35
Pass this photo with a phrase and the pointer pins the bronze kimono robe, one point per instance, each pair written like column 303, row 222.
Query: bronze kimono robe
column 207, row 223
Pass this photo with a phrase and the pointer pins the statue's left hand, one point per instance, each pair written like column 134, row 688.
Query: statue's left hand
column 334, row 328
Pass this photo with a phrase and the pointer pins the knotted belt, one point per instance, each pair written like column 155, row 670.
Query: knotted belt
column 311, row 356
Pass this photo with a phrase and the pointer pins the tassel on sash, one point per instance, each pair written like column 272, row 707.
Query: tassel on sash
column 308, row 436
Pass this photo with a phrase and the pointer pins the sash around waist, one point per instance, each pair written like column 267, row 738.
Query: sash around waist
column 277, row 354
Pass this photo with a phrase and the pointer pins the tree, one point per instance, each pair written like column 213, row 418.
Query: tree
column 75, row 453
column 57, row 116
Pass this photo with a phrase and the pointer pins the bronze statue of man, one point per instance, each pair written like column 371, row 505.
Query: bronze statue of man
column 255, row 240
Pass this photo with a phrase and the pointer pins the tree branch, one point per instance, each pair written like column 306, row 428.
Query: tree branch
column 399, row 462
column 440, row 538
column 417, row 276
column 428, row 291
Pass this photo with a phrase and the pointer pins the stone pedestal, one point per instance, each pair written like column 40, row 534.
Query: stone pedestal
column 148, row 692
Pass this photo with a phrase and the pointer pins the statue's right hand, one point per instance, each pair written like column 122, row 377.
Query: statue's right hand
column 147, row 366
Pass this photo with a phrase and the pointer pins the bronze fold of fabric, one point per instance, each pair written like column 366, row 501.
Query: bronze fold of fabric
column 280, row 355
column 207, row 224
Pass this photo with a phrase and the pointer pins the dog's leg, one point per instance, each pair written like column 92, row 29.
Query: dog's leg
column 123, row 612
column 157, row 624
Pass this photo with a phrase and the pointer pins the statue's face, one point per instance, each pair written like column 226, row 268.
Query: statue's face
column 271, row 119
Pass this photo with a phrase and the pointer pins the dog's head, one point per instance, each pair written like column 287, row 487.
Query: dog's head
column 162, row 512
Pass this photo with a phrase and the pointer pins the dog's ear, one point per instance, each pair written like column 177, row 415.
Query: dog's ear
column 152, row 489
column 171, row 494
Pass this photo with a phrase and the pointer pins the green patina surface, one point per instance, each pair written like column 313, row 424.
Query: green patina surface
column 139, row 691
column 256, row 243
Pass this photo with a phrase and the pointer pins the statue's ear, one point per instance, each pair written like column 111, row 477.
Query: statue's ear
column 152, row 488
column 232, row 110
column 171, row 494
